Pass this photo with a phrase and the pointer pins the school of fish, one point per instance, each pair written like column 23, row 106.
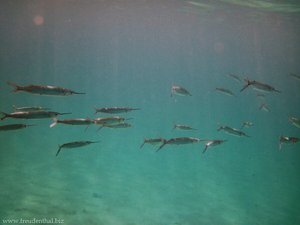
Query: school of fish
column 114, row 122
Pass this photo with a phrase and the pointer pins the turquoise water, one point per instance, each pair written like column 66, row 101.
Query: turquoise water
column 130, row 53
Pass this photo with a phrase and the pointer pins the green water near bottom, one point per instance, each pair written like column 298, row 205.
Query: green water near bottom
column 115, row 182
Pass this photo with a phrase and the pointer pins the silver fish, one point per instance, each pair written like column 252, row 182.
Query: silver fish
column 179, row 141
column 119, row 125
column 287, row 140
column 232, row 131
column 295, row 121
column 264, row 107
column 177, row 90
column 211, row 143
column 31, row 115
column 225, row 91
column 29, row 108
column 296, row 76
column 43, row 90
column 183, row 127
column 152, row 141
column 115, row 110
column 75, row 144
column 247, row 124
column 109, row 120
column 235, row 77
column 79, row 121
column 17, row 126
column 259, row 86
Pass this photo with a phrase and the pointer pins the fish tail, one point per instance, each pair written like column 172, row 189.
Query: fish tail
column 204, row 150
column 96, row 111
column 160, row 147
column 100, row 128
column 58, row 151
column 15, row 86
column 142, row 144
column 5, row 115
column 55, row 120
column 246, row 85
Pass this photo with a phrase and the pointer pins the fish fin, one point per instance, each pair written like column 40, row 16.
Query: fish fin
column 15, row 86
column 160, row 147
column 3, row 117
column 246, row 85
column 54, row 122
column 204, row 150
column 60, row 147
column 142, row 144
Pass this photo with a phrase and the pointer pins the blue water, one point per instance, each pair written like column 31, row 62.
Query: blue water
column 130, row 53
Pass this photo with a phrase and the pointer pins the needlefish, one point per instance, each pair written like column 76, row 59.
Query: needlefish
column 180, row 91
column 115, row 110
column 179, row 141
column 153, row 141
column 287, row 140
column 31, row 115
column 16, row 126
column 259, row 86
column 43, row 89
column 79, row 121
column 75, row 144
column 232, row 131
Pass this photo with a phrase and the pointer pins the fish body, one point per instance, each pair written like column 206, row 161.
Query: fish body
column 225, row 91
column 17, row 126
column 183, row 127
column 295, row 121
column 79, row 121
column 211, row 143
column 30, row 108
column 153, row 141
column 235, row 77
column 119, row 125
column 287, row 140
column 75, row 144
column 31, row 115
column 232, row 131
column 259, row 86
column 115, row 110
column 247, row 124
column 296, row 76
column 177, row 90
column 44, row 90
column 109, row 120
column 179, row 141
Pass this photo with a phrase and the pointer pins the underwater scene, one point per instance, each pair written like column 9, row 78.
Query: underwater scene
column 143, row 112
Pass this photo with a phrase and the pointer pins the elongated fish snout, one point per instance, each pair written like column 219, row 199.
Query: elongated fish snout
column 78, row 93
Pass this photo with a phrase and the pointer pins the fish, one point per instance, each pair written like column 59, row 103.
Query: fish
column 259, row 86
column 183, row 127
column 75, row 144
column 115, row 110
column 119, row 125
column 264, row 107
column 296, row 76
column 29, row 108
column 287, row 140
column 16, row 126
column 153, row 141
column 109, row 120
column 79, row 121
column 295, row 121
column 179, row 141
column 180, row 91
column 31, row 115
column 232, row 131
column 225, row 91
column 211, row 143
column 246, row 124
column 43, row 90
column 235, row 77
